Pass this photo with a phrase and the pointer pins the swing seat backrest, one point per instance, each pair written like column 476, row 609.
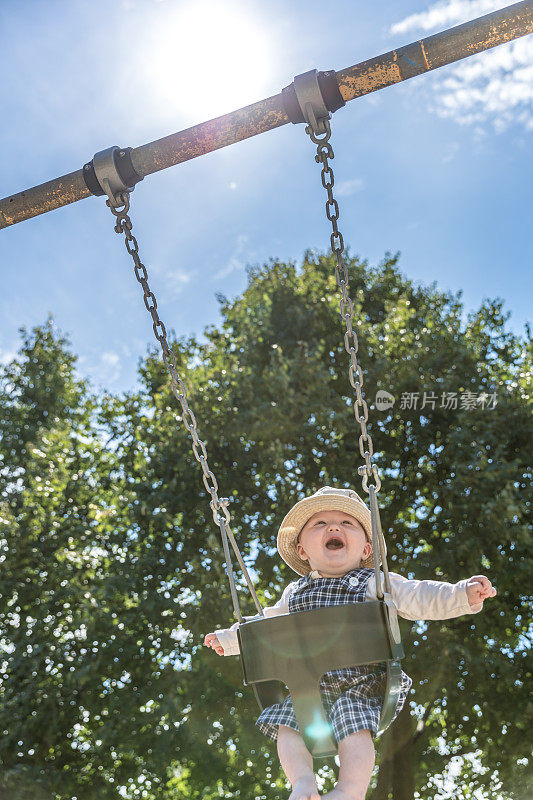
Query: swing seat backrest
column 297, row 649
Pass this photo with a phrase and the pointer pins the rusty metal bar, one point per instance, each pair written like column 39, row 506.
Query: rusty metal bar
column 436, row 51
column 369, row 76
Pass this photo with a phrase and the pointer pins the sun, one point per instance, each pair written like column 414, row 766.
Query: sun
column 206, row 58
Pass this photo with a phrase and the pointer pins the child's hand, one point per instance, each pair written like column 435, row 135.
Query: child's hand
column 212, row 641
column 478, row 588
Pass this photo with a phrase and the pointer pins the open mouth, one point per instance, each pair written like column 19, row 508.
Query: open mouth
column 335, row 543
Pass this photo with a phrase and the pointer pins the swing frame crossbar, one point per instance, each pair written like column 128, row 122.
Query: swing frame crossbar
column 358, row 80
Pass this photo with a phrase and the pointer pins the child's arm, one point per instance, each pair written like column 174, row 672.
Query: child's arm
column 226, row 643
column 436, row 599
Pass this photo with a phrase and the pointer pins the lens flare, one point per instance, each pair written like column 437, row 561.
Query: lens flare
column 318, row 728
column 207, row 58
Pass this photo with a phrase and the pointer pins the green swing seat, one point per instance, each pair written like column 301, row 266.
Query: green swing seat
column 297, row 649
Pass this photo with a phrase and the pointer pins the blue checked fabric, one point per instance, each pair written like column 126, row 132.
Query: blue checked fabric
column 352, row 697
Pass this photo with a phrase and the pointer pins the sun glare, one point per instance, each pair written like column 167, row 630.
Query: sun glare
column 208, row 58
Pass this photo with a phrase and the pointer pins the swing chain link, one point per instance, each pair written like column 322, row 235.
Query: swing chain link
column 124, row 225
column 351, row 344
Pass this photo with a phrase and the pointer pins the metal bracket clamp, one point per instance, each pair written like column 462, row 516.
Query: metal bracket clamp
column 311, row 97
column 111, row 172
column 311, row 101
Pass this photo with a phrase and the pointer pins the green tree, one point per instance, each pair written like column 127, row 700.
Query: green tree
column 455, row 496
column 59, row 564
column 164, row 717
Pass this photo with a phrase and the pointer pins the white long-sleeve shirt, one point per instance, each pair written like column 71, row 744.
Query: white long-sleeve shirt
column 413, row 599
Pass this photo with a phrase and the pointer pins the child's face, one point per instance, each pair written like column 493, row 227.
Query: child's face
column 333, row 542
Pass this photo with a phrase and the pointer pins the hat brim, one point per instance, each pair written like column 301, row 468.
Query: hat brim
column 303, row 511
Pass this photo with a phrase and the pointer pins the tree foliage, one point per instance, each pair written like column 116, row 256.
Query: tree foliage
column 112, row 571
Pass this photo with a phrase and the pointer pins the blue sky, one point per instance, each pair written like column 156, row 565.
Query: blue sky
column 438, row 167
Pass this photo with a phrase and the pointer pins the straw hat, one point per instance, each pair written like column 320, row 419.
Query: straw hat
column 326, row 499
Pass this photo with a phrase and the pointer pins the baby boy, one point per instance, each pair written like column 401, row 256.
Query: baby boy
column 326, row 538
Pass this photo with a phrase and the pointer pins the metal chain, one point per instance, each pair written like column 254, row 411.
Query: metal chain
column 323, row 152
column 219, row 505
column 124, row 225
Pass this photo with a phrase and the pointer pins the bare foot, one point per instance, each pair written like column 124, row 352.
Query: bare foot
column 305, row 789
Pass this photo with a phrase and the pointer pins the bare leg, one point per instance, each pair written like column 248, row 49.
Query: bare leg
column 297, row 764
column 357, row 758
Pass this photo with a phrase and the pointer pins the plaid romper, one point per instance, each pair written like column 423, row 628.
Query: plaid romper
column 351, row 697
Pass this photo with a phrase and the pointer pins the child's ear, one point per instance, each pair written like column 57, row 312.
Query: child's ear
column 367, row 549
column 301, row 552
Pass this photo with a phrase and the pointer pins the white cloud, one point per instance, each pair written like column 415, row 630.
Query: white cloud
column 109, row 367
column 495, row 86
column 445, row 14
column 110, row 359
column 236, row 261
column 347, row 188
column 176, row 279
column 450, row 151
